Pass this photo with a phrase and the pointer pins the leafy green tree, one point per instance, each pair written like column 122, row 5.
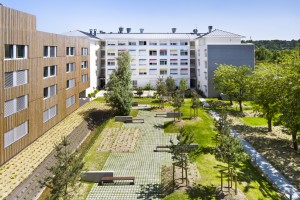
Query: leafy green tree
column 139, row 91
column 161, row 89
column 183, row 86
column 119, row 88
column 170, row 85
column 147, row 86
column 178, row 102
column 65, row 173
column 266, row 87
column 195, row 103
column 263, row 54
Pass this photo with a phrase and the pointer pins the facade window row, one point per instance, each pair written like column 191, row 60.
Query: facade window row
column 84, row 78
column 161, row 71
column 15, row 134
column 144, row 52
column 13, row 51
column 150, row 43
column 49, row 113
column 15, row 105
column 17, row 78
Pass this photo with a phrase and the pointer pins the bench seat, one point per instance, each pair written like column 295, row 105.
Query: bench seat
column 115, row 178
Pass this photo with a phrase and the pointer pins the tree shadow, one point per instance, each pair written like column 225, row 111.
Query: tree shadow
column 150, row 191
column 199, row 191
column 95, row 117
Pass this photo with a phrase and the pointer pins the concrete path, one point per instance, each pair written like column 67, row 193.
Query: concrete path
column 272, row 174
column 144, row 164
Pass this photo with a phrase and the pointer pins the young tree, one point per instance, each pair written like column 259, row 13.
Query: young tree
column 119, row 88
column 161, row 89
column 65, row 173
column 170, row 85
column 178, row 102
column 183, row 86
column 195, row 103
column 139, row 91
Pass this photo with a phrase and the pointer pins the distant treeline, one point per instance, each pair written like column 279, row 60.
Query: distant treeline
column 275, row 44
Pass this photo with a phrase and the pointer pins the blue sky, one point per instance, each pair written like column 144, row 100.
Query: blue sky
column 260, row 19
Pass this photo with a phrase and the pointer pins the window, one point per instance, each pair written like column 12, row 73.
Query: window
column 50, row 51
column 111, row 52
column 173, row 71
column 132, row 52
column 163, row 52
column 70, row 83
column 198, row 52
column 205, row 52
column 142, row 62
column 173, row 62
column 70, row 67
column 17, row 78
column 205, row 64
column 184, row 71
column 173, row 43
column 121, row 51
column 153, row 52
column 84, row 64
column 184, row 62
column 163, row 43
column 152, row 43
column 131, row 43
column 133, row 72
column 49, row 113
column 133, row 62
column 163, row 62
column 142, row 52
column 84, row 51
column 173, row 52
column 142, row 71
column 153, row 72
column 121, row 43
column 142, row 43
column 198, row 62
column 198, row 72
column 205, row 75
column 183, row 43
column 153, row 62
column 163, row 71
column 183, row 52
column 111, row 62
column 15, row 134
column 70, row 101
column 84, row 78
column 111, row 43
column 70, row 51
column 15, row 105
column 49, row 71
column 134, row 83
column 15, row 51
column 110, row 71
column 49, row 91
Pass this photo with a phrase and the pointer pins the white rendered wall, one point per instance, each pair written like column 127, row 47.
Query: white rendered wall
column 94, row 47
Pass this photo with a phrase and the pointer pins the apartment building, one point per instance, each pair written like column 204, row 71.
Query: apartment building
column 42, row 77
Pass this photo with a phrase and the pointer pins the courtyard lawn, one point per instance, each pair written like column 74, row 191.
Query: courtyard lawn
column 250, row 182
column 254, row 121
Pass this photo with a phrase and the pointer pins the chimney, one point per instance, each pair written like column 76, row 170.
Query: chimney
column 141, row 30
column 173, row 30
column 210, row 28
column 128, row 30
column 195, row 31
column 121, row 29
column 95, row 32
column 91, row 31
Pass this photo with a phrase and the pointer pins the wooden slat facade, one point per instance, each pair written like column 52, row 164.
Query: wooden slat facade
column 18, row 28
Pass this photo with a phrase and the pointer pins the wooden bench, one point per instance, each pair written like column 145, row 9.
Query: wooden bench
column 162, row 147
column 122, row 118
column 117, row 178
column 160, row 114
column 135, row 103
column 137, row 120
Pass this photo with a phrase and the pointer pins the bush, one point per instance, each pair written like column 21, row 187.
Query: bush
column 155, row 95
column 201, row 93
column 147, row 86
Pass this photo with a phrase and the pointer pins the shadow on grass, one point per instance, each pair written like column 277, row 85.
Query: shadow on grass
column 95, row 117
column 149, row 191
column 205, row 192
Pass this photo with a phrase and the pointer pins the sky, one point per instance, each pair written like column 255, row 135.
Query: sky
column 255, row 19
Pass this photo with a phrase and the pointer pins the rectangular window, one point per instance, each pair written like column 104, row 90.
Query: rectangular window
column 15, row 134
column 17, row 78
column 70, row 83
column 205, row 75
column 121, row 43
column 134, row 83
column 49, row 113
column 111, row 52
column 184, row 71
column 49, row 71
column 163, row 71
column 153, row 72
column 173, row 52
column 110, row 71
column 50, row 51
column 70, row 67
column 49, row 91
column 163, row 43
column 173, row 43
column 142, row 71
column 173, row 71
column 142, row 52
column 163, row 62
column 183, row 43
column 84, row 64
column 84, row 51
column 111, row 43
column 84, row 78
column 142, row 43
column 15, row 51
column 184, row 62
column 70, row 51
column 153, row 62
column 205, row 52
column 163, row 52
column 173, row 62
column 133, row 72
column 142, row 62
column 183, row 52
column 132, row 43
column 111, row 62
column 15, row 105
column 205, row 64
column 153, row 53
column 152, row 43
column 132, row 52
column 121, row 51
column 70, row 101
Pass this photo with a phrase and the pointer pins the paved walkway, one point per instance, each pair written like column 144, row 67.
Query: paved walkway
column 272, row 174
column 144, row 164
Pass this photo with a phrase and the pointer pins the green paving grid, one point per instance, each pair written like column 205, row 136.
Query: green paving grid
column 144, row 164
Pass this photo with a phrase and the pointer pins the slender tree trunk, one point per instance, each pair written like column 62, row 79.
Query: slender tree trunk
column 230, row 99
column 294, row 137
column 270, row 124
column 228, row 178
column 241, row 106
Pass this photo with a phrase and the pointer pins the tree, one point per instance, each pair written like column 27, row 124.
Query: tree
column 65, row 173
column 119, row 88
column 195, row 103
column 183, row 86
column 139, row 91
column 178, row 102
column 266, row 90
column 161, row 89
column 170, row 83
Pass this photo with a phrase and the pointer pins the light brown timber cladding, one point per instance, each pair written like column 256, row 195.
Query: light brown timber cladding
column 18, row 28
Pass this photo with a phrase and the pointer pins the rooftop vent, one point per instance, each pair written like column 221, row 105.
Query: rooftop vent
column 141, row 30
column 95, row 32
column 91, row 31
column 173, row 30
column 121, row 29
column 195, row 31
column 128, row 30
column 210, row 28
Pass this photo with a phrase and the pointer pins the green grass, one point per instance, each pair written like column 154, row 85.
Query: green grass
column 254, row 121
column 251, row 182
column 134, row 112
column 100, row 99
